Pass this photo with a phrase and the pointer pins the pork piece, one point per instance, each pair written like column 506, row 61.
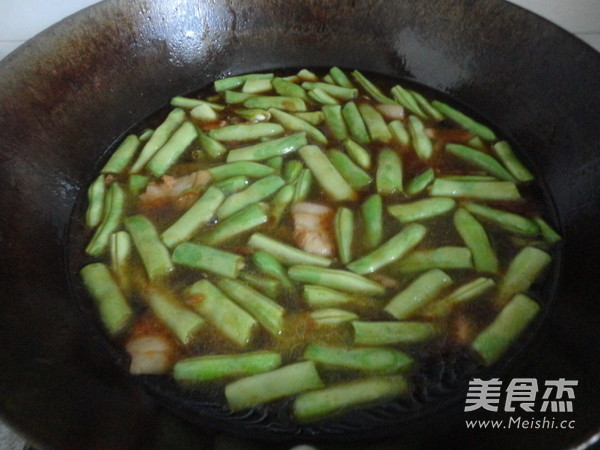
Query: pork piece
column 462, row 329
column 180, row 192
column 152, row 350
column 313, row 228
column 150, row 355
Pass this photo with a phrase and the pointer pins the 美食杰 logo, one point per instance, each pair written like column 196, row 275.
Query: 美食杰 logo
column 522, row 395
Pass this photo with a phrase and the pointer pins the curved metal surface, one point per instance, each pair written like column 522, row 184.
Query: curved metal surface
column 68, row 94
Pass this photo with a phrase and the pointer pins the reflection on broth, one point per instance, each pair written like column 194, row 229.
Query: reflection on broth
column 313, row 241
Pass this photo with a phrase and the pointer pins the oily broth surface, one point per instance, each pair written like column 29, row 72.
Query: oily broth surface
column 443, row 355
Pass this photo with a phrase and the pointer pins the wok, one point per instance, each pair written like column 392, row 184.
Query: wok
column 71, row 92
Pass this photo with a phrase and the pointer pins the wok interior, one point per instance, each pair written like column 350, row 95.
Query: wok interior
column 74, row 90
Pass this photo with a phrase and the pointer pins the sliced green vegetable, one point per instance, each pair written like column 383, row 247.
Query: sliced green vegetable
column 339, row 92
column 146, row 134
column 286, row 88
column 549, row 233
column 254, row 114
column 241, row 222
column 170, row 152
column 469, row 178
column 392, row 250
column 267, row 285
column 358, row 154
column 465, row 121
column 218, row 367
column 120, row 252
column 379, row 360
column 213, row 148
column 418, row 136
column 376, row 126
column 476, row 142
column 343, row 225
column 192, row 221
column 448, row 257
column 506, row 328
column 465, row 293
column 191, row 103
column 332, row 317
column 334, row 399
column 420, row 182
column 427, row 107
column 257, row 191
column 181, row 320
column 328, row 177
column 294, row 123
column 207, row 258
column 399, row 133
column 269, row 265
column 335, row 121
column 153, row 252
column 354, row 122
column 276, row 162
column 284, row 253
column 291, row 170
column 320, row 96
column 389, row 177
column 476, row 238
column 267, row 312
column 511, row 162
column 302, row 186
column 336, row 279
column 231, row 320
column 354, row 175
column 137, row 183
column 407, row 99
column 319, row 297
column 232, row 185
column 307, row 75
column 421, row 209
column 245, row 168
column 160, row 136
column 115, row 312
column 266, row 387
column 312, row 117
column 523, row 271
column 95, row 194
column 370, row 88
column 418, row 293
column 284, row 103
column 266, row 150
column 389, row 333
column 114, row 204
column 246, row 132
column 372, row 216
column 257, row 86
column 507, row 220
column 340, row 78
column 479, row 159
column 123, row 155
column 204, row 113
column 281, row 200
column 235, row 98
column 237, row 81
column 484, row 190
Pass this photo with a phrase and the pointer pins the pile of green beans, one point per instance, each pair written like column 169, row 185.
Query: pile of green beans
column 431, row 222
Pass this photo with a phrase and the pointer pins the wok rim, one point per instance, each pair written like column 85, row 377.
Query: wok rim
column 28, row 50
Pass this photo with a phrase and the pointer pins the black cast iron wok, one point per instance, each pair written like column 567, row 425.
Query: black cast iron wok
column 68, row 94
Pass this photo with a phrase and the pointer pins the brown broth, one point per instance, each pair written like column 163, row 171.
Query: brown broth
column 459, row 327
